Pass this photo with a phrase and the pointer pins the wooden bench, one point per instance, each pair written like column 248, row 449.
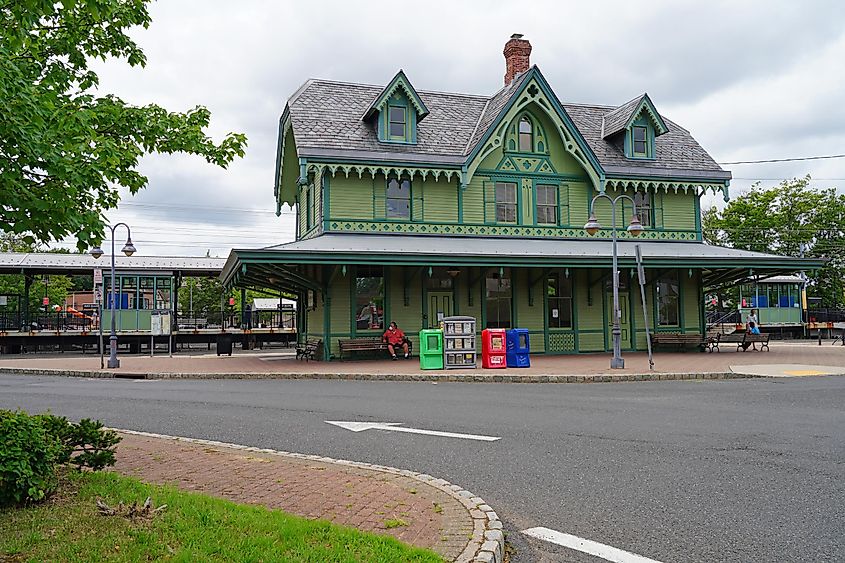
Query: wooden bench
column 743, row 341
column 678, row 339
column 365, row 344
column 309, row 350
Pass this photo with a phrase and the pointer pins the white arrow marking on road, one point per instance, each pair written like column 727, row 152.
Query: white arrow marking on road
column 394, row 427
column 606, row 552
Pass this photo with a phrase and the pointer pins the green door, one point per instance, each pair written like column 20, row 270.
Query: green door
column 624, row 321
column 439, row 306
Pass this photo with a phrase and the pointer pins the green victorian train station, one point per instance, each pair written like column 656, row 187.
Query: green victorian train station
column 413, row 205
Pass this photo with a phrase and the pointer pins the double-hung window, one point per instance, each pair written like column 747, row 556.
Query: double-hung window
column 639, row 138
column 397, row 122
column 526, row 135
column 642, row 204
column 398, row 202
column 505, row 202
column 546, row 204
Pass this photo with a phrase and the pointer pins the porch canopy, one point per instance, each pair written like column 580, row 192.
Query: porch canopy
column 301, row 265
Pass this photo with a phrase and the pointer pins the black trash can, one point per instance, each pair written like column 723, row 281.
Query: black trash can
column 224, row 343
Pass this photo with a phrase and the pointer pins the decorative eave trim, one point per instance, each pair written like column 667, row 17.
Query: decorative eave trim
column 649, row 185
column 373, row 169
column 284, row 126
column 400, row 81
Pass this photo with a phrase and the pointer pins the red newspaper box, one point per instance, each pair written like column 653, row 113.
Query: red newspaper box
column 494, row 348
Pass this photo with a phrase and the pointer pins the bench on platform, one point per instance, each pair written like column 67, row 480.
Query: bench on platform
column 678, row 339
column 743, row 341
column 365, row 344
column 309, row 350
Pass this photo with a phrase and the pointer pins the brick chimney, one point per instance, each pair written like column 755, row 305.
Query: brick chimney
column 517, row 53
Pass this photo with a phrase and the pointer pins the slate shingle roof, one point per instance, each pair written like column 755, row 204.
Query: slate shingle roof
column 677, row 153
column 326, row 119
column 616, row 119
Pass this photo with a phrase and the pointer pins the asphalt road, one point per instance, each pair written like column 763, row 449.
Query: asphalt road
column 739, row 470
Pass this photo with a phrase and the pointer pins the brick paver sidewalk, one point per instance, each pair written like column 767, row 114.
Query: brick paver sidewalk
column 362, row 498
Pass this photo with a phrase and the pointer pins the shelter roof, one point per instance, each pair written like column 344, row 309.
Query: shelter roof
column 426, row 250
column 56, row 263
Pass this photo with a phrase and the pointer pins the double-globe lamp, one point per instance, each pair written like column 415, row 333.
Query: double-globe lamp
column 128, row 249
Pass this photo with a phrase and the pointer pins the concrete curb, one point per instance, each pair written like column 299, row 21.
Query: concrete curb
column 487, row 544
column 415, row 377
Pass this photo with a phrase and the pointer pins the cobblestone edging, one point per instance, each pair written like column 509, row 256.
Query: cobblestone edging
column 487, row 543
column 426, row 377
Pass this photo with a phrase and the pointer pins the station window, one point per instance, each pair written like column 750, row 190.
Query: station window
column 498, row 301
column 505, row 202
column 642, row 203
column 398, row 203
column 369, row 298
column 559, row 291
column 526, row 135
column 668, row 301
column 398, row 121
column 639, row 138
column 546, row 204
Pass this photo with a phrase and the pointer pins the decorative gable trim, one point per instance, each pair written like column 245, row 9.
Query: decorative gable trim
column 400, row 83
column 535, row 89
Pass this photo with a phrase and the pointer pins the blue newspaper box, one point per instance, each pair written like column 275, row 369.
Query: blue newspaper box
column 518, row 348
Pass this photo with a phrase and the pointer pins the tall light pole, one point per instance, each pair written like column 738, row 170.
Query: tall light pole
column 634, row 229
column 128, row 249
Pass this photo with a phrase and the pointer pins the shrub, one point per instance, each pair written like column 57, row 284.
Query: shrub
column 28, row 456
column 32, row 446
column 85, row 444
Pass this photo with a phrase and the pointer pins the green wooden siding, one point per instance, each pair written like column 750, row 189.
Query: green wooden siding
column 439, row 199
column 679, row 210
column 351, row 197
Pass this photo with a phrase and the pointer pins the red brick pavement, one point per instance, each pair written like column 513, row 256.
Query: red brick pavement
column 362, row 498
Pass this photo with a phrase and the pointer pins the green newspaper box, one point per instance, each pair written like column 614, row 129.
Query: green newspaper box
column 431, row 348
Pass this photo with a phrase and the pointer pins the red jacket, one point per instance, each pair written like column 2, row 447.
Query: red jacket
column 394, row 337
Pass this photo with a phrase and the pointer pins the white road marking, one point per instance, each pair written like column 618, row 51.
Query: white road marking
column 394, row 427
column 606, row 552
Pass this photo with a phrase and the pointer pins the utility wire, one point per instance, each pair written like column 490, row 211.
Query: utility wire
column 786, row 159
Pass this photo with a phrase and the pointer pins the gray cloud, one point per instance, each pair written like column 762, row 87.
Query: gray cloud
column 750, row 79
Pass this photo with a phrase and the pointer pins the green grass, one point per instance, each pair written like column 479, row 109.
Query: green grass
column 193, row 527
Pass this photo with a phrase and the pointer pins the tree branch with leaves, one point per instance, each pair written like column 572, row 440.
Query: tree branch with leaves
column 65, row 151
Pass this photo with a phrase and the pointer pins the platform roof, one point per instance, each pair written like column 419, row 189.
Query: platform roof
column 284, row 263
column 40, row 263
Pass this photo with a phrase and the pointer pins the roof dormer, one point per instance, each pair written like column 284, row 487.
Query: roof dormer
column 396, row 111
column 637, row 123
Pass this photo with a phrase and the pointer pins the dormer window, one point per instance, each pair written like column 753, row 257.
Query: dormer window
column 396, row 112
column 398, row 122
column 526, row 135
column 639, row 136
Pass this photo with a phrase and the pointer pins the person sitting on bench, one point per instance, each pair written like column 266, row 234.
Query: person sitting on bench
column 394, row 337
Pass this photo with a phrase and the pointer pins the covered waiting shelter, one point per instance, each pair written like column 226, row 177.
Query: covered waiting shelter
column 142, row 282
column 557, row 288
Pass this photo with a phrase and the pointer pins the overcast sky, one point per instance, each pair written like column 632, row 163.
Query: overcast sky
column 750, row 80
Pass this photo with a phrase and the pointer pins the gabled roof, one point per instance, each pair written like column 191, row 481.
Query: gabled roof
column 620, row 118
column 326, row 120
column 399, row 82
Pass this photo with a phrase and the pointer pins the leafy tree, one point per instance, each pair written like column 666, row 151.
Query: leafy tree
column 65, row 150
column 56, row 287
column 784, row 220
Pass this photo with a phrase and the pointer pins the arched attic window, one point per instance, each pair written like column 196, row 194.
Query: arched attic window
column 526, row 135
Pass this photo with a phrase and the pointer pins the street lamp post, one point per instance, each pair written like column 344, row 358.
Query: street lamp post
column 128, row 249
column 634, row 229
